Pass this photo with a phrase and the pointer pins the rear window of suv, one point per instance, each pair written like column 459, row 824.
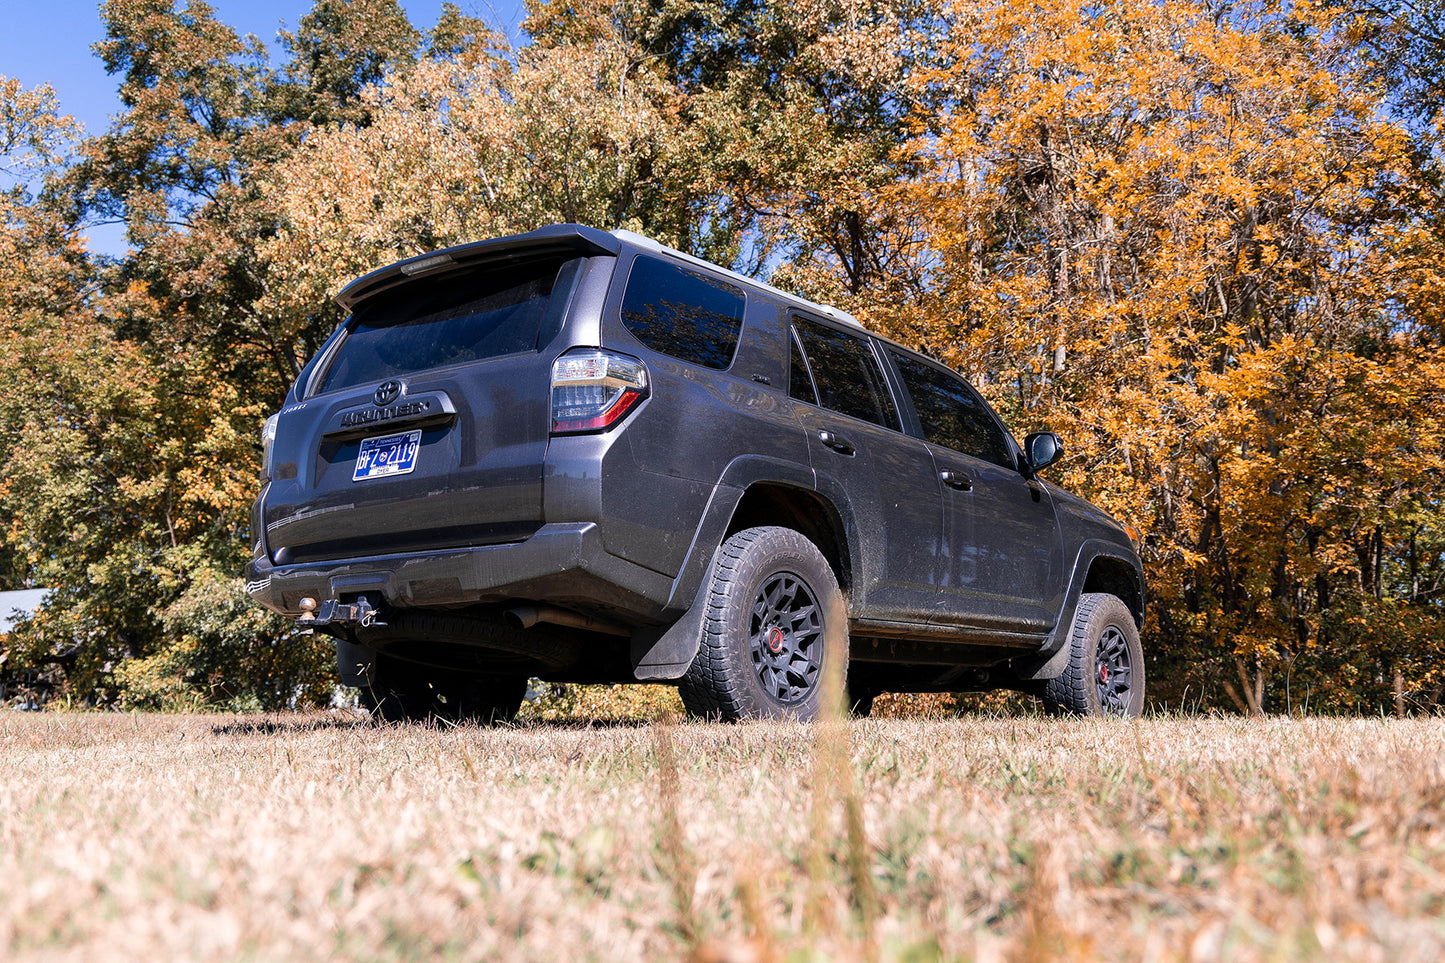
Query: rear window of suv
column 681, row 313
column 846, row 374
column 432, row 322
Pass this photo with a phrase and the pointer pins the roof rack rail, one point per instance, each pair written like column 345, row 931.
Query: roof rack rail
column 643, row 241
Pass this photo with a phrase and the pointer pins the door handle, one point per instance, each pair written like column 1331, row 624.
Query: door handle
column 840, row 445
column 956, row 479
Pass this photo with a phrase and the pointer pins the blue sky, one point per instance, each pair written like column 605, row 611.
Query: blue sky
column 48, row 41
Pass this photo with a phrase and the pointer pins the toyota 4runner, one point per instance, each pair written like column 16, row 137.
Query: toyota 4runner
column 583, row 456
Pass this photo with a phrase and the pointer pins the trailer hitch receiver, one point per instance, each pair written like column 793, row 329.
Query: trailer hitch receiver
column 336, row 612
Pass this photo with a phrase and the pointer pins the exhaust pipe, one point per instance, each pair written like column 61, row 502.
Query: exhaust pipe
column 526, row 616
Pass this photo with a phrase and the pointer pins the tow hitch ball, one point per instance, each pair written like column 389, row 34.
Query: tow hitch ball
column 336, row 611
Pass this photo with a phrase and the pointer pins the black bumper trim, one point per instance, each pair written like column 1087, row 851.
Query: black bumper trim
column 546, row 565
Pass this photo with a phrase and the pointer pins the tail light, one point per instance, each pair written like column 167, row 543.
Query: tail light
column 268, row 442
column 592, row 389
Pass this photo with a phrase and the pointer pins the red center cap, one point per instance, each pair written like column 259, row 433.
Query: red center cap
column 775, row 639
column 1104, row 674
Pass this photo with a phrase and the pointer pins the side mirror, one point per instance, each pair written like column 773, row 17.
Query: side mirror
column 1042, row 449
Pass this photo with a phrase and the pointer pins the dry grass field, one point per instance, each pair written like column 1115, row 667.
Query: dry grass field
column 326, row 837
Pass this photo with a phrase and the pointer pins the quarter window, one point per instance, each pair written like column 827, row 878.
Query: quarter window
column 952, row 414
column 682, row 313
column 847, row 375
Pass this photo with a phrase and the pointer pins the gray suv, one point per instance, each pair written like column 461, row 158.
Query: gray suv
column 586, row 457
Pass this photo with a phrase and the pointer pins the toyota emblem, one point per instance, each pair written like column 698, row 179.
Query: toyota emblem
column 387, row 393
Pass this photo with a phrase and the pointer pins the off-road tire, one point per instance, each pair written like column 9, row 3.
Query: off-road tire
column 761, row 578
column 1105, row 674
column 403, row 693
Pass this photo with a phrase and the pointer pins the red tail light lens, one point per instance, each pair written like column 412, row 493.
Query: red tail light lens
column 593, row 389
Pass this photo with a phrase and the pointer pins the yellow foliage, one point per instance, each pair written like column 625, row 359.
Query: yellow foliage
column 1173, row 199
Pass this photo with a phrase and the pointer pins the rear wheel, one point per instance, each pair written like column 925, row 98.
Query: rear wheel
column 1105, row 674
column 768, row 637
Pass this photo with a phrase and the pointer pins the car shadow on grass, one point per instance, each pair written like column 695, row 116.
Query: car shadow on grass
column 569, row 725
column 279, row 727
column 273, row 727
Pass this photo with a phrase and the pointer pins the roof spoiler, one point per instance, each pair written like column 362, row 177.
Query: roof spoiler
column 568, row 237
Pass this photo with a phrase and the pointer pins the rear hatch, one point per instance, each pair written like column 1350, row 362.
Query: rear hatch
column 424, row 425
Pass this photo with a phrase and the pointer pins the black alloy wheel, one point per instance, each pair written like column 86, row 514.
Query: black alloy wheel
column 786, row 639
column 1113, row 672
column 767, row 637
column 1105, row 671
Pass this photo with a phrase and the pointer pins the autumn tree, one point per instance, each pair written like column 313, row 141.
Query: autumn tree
column 761, row 135
column 1165, row 232
column 97, row 496
column 476, row 140
column 793, row 115
column 43, row 268
column 338, row 49
column 137, row 497
column 1405, row 42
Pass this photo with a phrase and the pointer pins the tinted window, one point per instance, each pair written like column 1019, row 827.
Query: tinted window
column 800, row 383
column 952, row 414
column 683, row 314
column 480, row 313
column 847, row 375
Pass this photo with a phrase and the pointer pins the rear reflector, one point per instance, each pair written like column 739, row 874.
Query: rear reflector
column 592, row 389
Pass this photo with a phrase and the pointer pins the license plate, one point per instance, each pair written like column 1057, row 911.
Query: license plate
column 391, row 455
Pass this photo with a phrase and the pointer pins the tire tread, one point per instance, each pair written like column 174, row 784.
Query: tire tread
column 714, row 686
column 707, row 688
column 1069, row 693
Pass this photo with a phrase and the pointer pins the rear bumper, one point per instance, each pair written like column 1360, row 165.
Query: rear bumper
column 559, row 562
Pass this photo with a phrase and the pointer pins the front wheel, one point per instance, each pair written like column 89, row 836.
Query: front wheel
column 1105, row 674
column 773, row 629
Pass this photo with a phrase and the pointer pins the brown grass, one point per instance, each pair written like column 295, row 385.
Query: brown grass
column 977, row 838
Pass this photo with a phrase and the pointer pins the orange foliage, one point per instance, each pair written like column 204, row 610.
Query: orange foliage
column 1162, row 233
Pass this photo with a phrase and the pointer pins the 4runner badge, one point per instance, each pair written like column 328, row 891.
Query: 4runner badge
column 371, row 416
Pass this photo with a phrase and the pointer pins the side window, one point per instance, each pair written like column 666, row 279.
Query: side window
column 682, row 313
column 800, row 383
column 952, row 414
column 847, row 375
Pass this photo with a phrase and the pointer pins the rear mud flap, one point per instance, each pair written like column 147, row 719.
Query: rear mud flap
column 666, row 652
